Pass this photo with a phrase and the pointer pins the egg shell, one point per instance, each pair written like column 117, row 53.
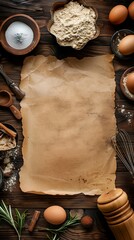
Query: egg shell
column 55, row 215
column 118, row 14
column 131, row 10
column 126, row 45
column 130, row 82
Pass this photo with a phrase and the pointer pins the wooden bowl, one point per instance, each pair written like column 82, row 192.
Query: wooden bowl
column 58, row 5
column 30, row 24
column 123, row 86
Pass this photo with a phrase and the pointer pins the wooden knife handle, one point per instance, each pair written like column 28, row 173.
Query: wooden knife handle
column 17, row 91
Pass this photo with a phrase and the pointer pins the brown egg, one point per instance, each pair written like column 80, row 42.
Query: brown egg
column 55, row 215
column 131, row 10
column 118, row 14
column 126, row 45
column 130, row 82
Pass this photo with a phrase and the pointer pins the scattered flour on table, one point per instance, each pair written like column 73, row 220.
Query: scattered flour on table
column 10, row 183
column 74, row 25
column 125, row 115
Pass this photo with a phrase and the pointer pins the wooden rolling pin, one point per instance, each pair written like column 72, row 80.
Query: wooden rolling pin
column 118, row 213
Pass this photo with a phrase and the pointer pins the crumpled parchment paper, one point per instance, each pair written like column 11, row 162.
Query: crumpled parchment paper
column 68, row 121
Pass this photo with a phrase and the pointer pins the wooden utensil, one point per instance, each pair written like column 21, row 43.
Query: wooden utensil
column 15, row 89
column 117, row 211
column 6, row 100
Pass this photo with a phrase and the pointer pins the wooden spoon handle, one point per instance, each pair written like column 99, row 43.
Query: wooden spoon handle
column 15, row 112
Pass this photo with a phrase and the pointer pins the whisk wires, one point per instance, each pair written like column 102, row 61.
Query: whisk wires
column 124, row 150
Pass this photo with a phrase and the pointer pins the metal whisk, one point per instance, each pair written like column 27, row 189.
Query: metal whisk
column 124, row 150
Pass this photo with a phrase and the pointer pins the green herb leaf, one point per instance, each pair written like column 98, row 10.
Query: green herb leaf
column 55, row 232
column 20, row 220
column 6, row 215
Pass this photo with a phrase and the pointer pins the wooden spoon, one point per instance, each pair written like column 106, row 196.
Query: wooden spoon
column 6, row 100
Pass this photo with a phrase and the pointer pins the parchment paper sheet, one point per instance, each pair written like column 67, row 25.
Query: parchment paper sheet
column 68, row 121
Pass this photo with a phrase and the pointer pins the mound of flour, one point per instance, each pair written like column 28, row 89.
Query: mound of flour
column 74, row 25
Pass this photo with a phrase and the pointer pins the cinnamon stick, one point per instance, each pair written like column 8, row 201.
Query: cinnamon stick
column 8, row 131
column 34, row 220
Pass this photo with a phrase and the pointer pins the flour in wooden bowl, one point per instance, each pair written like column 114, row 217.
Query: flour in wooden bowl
column 74, row 25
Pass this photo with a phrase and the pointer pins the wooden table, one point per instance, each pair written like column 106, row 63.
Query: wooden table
column 40, row 11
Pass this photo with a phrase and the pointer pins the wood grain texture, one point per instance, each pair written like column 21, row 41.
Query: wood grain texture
column 40, row 11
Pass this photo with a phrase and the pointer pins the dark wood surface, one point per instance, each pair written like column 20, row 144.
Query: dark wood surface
column 40, row 11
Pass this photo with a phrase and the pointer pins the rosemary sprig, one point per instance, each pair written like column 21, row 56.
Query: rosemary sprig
column 20, row 220
column 6, row 214
column 55, row 232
